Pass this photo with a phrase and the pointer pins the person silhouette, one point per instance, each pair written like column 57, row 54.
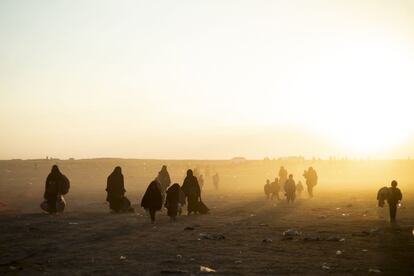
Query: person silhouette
column 216, row 179
column 290, row 189
column 311, row 180
column 57, row 184
column 267, row 188
column 164, row 178
column 116, row 192
column 192, row 192
column 394, row 196
column 174, row 200
column 152, row 199
column 275, row 188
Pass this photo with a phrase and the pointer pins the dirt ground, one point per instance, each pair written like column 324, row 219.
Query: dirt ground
column 341, row 233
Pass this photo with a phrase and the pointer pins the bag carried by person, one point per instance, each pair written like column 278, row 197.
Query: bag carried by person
column 126, row 205
column 60, row 204
column 202, row 208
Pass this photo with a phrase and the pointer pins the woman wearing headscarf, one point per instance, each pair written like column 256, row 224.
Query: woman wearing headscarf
column 175, row 199
column 56, row 185
column 192, row 191
column 164, row 178
column 152, row 200
column 115, row 189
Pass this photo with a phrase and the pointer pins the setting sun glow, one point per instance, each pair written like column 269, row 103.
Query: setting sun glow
column 317, row 78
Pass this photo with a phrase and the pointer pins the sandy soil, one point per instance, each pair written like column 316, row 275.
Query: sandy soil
column 93, row 241
column 340, row 233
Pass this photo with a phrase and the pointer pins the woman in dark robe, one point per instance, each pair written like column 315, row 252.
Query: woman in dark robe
column 56, row 185
column 175, row 199
column 115, row 189
column 152, row 200
column 164, row 178
column 192, row 191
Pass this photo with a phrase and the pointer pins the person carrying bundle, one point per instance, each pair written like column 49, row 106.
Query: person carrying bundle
column 152, row 199
column 57, row 185
column 174, row 201
column 115, row 189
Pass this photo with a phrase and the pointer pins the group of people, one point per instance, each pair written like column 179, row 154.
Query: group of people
column 287, row 184
column 159, row 193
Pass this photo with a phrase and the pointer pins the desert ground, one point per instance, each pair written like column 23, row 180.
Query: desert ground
column 340, row 231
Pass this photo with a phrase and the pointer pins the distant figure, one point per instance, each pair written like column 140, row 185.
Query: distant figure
column 201, row 181
column 311, row 180
column 275, row 188
column 164, row 178
column 216, row 179
column 56, row 186
column 152, row 199
column 282, row 176
column 116, row 192
column 299, row 188
column 175, row 199
column 393, row 198
column 267, row 189
column 290, row 189
column 192, row 192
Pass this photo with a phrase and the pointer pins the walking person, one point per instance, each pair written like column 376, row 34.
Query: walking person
column 57, row 185
column 152, row 199
column 116, row 192
column 275, row 189
column 192, row 192
column 394, row 197
column 174, row 201
column 290, row 189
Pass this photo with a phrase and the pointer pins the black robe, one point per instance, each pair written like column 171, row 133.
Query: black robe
column 152, row 199
column 54, row 181
column 116, row 191
column 192, row 191
column 175, row 196
column 164, row 179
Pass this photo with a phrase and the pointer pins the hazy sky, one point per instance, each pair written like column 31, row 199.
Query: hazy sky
column 206, row 79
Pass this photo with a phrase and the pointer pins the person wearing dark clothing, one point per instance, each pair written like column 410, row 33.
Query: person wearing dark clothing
column 216, row 180
column 275, row 189
column 175, row 199
column 152, row 199
column 290, row 189
column 56, row 185
column 382, row 196
column 192, row 191
column 267, row 189
column 393, row 198
column 311, row 180
column 116, row 192
column 164, row 178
